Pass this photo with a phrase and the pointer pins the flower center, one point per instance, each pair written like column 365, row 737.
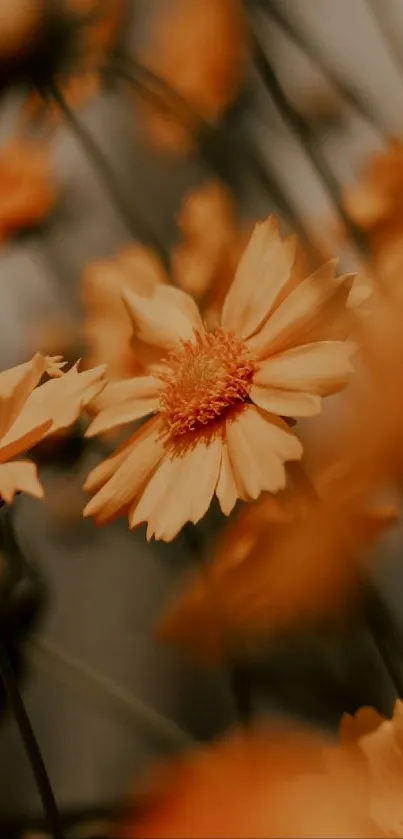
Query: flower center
column 204, row 378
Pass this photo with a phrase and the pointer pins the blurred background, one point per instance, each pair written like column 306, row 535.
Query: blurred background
column 103, row 694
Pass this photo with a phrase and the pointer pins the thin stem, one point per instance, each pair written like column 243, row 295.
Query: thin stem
column 315, row 54
column 298, row 124
column 385, row 635
column 7, row 676
column 211, row 142
column 134, row 224
column 130, row 707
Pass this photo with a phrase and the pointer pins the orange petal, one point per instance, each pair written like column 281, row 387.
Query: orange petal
column 125, row 402
column 263, row 271
column 104, row 470
column 192, row 479
column 288, row 324
column 19, row 476
column 258, row 446
column 145, row 453
column 164, row 316
column 23, row 442
column 285, row 403
column 320, row 368
column 15, row 386
column 227, row 490
column 60, row 400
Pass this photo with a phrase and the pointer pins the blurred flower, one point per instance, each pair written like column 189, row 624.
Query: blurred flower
column 19, row 24
column 284, row 562
column 379, row 742
column 27, row 192
column 198, row 47
column 375, row 204
column 219, row 397
column 206, row 258
column 29, row 413
column 107, row 329
column 268, row 783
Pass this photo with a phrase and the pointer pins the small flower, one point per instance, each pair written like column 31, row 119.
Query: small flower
column 29, row 413
column 27, row 192
column 199, row 48
column 219, row 397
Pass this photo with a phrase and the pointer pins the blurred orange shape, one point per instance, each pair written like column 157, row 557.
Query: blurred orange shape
column 28, row 192
column 271, row 782
column 198, row 47
column 19, row 23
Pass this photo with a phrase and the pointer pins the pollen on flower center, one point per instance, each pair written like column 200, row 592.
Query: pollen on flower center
column 203, row 379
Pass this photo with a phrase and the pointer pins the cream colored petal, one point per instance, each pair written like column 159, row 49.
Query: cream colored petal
column 131, row 474
column 15, row 386
column 285, row 403
column 227, row 490
column 61, row 400
column 146, row 508
column 101, row 473
column 125, row 402
column 258, row 446
column 22, row 443
column 294, row 317
column 262, row 273
column 189, row 493
column 164, row 316
column 320, row 368
column 19, row 476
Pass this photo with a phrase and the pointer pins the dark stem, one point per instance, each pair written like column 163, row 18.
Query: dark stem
column 315, row 54
column 211, row 142
column 299, row 125
column 386, row 637
column 7, row 676
column 134, row 224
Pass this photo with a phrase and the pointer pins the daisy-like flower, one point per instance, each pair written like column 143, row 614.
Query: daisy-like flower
column 27, row 192
column 29, row 413
column 219, row 397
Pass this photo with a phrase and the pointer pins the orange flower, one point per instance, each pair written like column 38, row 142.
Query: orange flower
column 107, row 328
column 27, row 192
column 379, row 742
column 19, row 23
column 266, row 784
column 218, row 397
column 29, row 413
column 198, row 48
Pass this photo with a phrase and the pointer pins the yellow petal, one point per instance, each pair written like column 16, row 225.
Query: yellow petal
column 125, row 402
column 15, row 386
column 190, row 490
column 258, row 445
column 289, row 323
column 61, row 400
column 285, row 403
column 132, row 472
column 164, row 316
column 227, row 490
column 320, row 368
column 19, row 476
column 263, row 271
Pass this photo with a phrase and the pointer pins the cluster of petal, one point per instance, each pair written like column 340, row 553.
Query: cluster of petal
column 269, row 783
column 289, row 331
column 198, row 47
column 28, row 192
column 30, row 411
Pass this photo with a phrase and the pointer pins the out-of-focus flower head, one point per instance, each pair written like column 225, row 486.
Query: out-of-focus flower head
column 107, row 329
column 269, row 783
column 198, row 47
column 219, row 397
column 30, row 411
column 285, row 562
column 27, row 188
column 375, row 204
column 74, row 41
column 378, row 743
